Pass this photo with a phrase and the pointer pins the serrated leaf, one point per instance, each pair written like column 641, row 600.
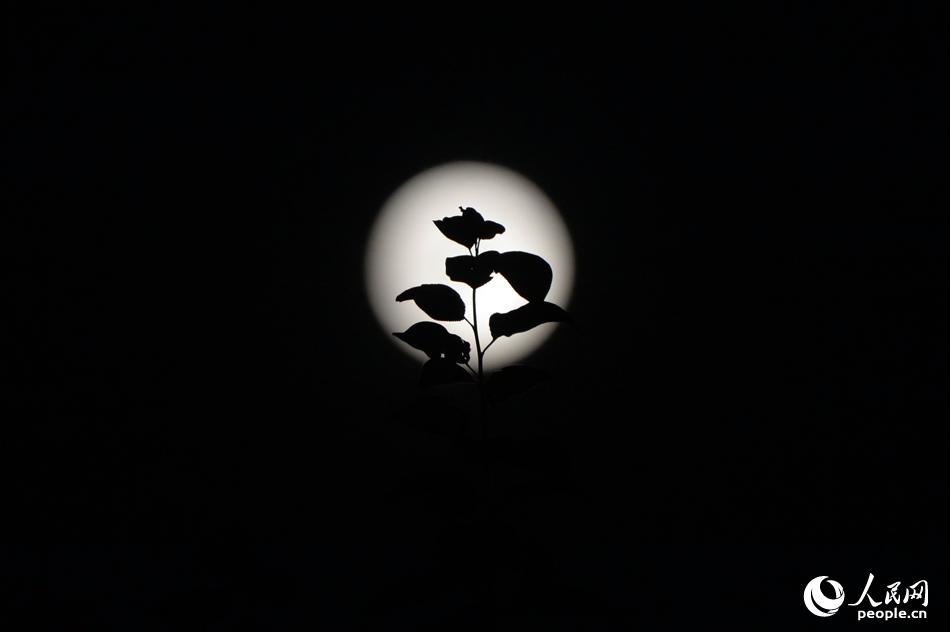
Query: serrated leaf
column 525, row 317
column 436, row 342
column 438, row 301
column 529, row 275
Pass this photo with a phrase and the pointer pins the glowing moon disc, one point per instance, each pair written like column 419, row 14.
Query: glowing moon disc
column 405, row 249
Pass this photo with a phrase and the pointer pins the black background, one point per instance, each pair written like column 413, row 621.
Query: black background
column 210, row 431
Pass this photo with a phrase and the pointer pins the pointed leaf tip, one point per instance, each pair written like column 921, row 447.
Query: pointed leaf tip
column 438, row 301
column 525, row 318
column 489, row 229
column 436, row 342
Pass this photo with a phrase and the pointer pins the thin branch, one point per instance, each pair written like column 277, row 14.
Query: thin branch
column 471, row 370
column 481, row 371
column 478, row 344
column 488, row 345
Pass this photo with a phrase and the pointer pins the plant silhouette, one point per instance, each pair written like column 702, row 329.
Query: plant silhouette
column 528, row 274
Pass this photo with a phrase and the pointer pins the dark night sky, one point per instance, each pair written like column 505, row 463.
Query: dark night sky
column 210, row 431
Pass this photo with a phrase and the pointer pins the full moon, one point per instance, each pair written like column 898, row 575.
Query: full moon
column 406, row 249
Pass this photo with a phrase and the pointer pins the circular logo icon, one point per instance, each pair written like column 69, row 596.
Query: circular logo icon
column 816, row 601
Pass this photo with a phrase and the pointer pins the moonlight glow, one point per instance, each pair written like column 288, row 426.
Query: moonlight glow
column 405, row 249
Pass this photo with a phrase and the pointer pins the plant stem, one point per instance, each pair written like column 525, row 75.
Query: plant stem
column 478, row 345
column 481, row 371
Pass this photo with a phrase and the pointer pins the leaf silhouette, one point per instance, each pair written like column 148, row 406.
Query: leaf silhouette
column 489, row 229
column 436, row 342
column 514, row 380
column 468, row 227
column 438, row 301
column 437, row 371
column 473, row 271
column 526, row 317
column 459, row 230
column 529, row 275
